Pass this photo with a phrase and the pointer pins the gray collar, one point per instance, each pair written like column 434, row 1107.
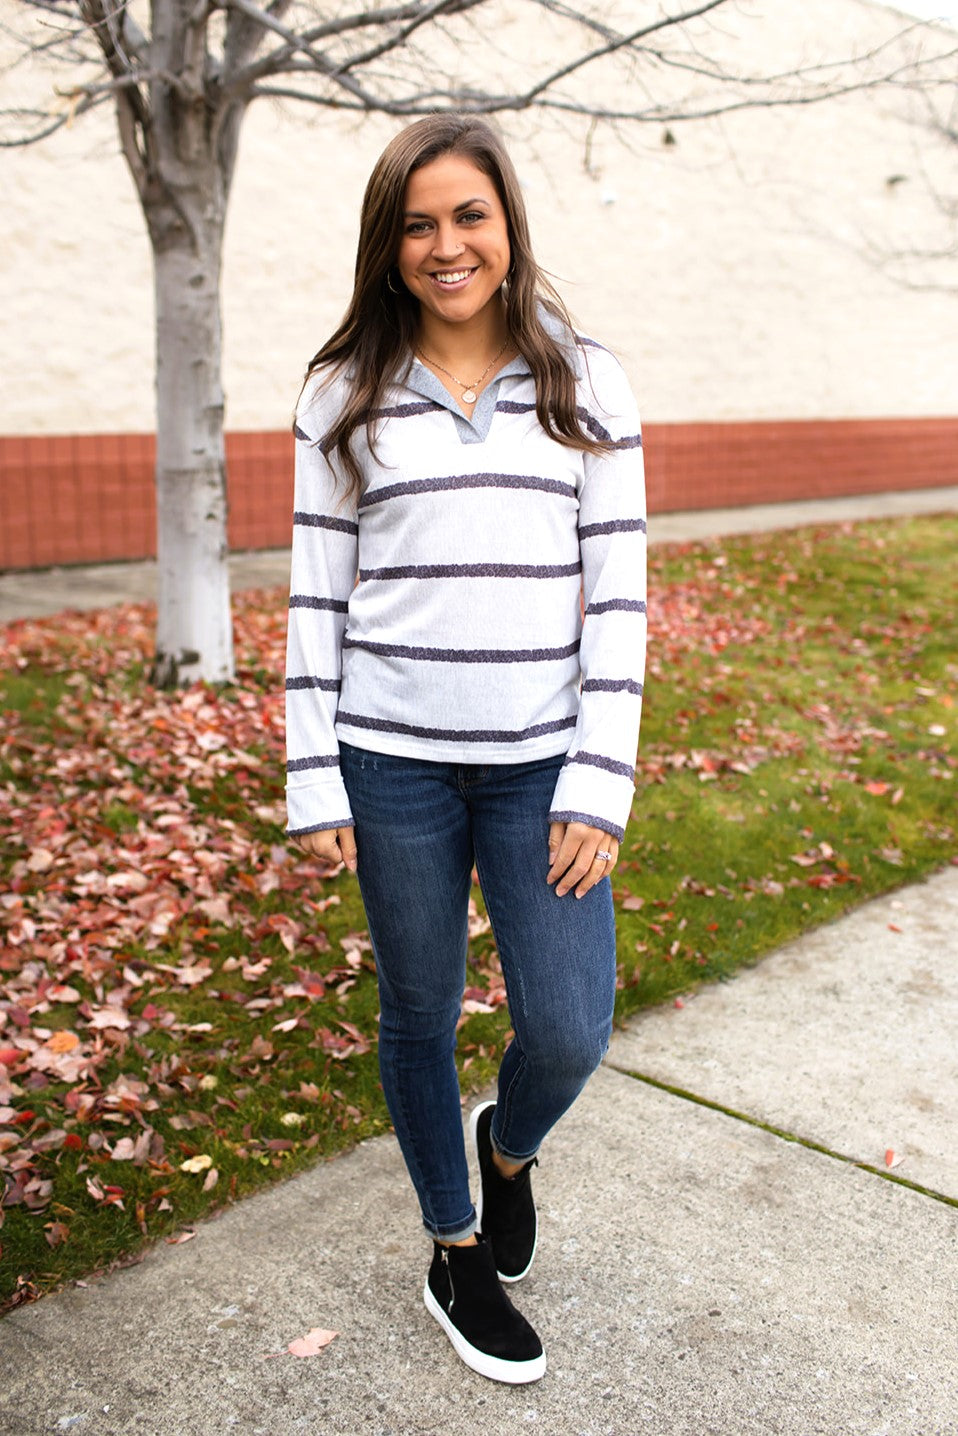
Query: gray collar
column 472, row 430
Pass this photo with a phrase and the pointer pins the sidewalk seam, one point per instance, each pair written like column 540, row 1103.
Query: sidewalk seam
column 785, row 1135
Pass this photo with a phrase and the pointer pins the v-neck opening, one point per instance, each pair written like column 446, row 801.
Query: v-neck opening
column 474, row 429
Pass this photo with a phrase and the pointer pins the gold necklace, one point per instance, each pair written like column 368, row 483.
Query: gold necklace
column 470, row 392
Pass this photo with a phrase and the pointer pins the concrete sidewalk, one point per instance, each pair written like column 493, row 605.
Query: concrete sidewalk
column 38, row 593
column 699, row 1274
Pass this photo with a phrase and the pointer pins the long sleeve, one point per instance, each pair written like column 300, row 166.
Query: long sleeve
column 596, row 783
column 323, row 572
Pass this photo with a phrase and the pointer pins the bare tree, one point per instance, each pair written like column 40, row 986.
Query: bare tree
column 931, row 265
column 180, row 75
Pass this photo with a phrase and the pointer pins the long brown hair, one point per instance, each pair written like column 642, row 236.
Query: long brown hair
column 378, row 331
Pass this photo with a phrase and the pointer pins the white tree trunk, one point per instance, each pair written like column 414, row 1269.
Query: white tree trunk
column 194, row 637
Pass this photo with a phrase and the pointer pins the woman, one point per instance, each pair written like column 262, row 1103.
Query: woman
column 468, row 471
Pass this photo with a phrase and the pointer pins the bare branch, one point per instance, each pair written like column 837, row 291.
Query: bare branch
column 277, row 61
column 620, row 42
column 438, row 9
column 193, row 71
column 295, row 44
column 47, row 123
column 357, row 82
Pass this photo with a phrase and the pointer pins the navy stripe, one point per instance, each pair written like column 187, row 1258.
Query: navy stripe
column 328, row 685
column 617, row 605
column 612, row 685
column 308, row 600
column 466, row 481
column 320, row 827
column 301, row 434
column 591, row 343
column 473, row 570
column 462, row 735
column 614, row 526
column 304, row 765
column 597, row 430
column 596, row 760
column 463, row 655
column 590, row 820
column 408, row 411
column 323, row 521
column 594, row 427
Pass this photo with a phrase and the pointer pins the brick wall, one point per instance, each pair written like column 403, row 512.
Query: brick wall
column 89, row 498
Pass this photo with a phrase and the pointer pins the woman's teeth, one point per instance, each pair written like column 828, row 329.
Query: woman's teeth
column 454, row 277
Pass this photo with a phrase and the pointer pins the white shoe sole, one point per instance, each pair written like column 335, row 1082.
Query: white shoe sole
column 513, row 1373
column 473, row 1132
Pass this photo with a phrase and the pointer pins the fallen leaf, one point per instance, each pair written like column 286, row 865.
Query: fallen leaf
column 196, row 1164
column 312, row 1343
column 102, row 1017
column 63, row 1041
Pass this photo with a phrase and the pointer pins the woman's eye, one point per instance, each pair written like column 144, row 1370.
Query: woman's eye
column 418, row 226
column 472, row 216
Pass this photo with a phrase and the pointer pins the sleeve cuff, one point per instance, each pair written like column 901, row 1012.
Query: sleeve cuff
column 317, row 807
column 590, row 795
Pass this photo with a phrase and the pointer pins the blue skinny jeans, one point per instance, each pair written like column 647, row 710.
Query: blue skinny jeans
column 420, row 828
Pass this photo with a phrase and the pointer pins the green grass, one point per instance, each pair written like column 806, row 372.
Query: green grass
column 800, row 704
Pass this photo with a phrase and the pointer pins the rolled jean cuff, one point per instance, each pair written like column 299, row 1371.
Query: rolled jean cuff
column 457, row 1233
column 509, row 1156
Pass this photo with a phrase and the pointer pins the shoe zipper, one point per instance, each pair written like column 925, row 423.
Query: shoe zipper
column 452, row 1290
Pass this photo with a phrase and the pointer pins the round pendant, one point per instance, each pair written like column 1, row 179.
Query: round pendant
column 469, row 396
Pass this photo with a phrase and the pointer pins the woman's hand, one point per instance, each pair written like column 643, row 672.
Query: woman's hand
column 332, row 846
column 574, row 860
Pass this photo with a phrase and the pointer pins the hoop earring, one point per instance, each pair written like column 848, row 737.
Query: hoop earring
column 389, row 283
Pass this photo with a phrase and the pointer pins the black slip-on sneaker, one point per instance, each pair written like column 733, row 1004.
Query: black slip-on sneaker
column 506, row 1211
column 462, row 1292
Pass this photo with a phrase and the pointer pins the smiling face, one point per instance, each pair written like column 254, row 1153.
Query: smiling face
column 454, row 252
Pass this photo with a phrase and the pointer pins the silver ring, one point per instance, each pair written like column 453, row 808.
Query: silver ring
column 606, row 857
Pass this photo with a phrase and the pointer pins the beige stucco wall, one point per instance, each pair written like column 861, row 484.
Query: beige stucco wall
column 728, row 269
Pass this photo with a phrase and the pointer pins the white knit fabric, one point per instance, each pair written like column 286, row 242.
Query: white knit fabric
column 439, row 616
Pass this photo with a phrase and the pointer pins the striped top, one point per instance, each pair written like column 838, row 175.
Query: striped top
column 439, row 616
